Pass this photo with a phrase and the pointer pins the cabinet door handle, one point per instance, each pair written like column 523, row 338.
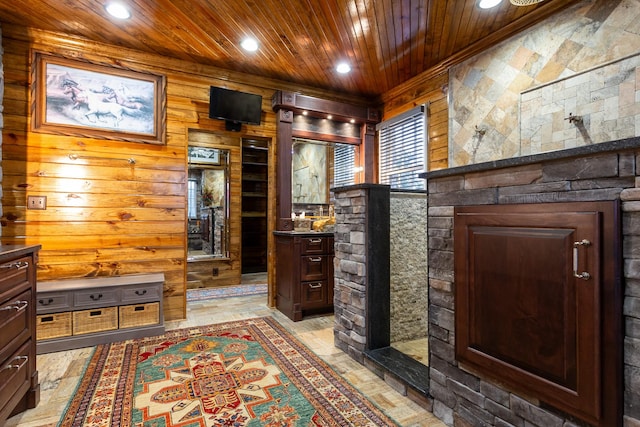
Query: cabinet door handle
column 315, row 240
column 140, row 292
column 315, row 285
column 17, row 306
column 315, row 259
column 45, row 302
column 584, row 275
column 22, row 361
column 94, row 297
column 17, row 265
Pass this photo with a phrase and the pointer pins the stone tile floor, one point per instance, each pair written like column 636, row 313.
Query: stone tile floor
column 60, row 372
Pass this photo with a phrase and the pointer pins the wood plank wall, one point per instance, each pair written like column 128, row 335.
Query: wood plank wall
column 431, row 89
column 104, row 215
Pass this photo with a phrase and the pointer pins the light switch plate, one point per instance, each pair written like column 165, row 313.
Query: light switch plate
column 37, row 202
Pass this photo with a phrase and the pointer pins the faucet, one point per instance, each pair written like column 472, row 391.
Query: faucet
column 574, row 119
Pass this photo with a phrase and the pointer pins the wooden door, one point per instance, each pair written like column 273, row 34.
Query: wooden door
column 532, row 304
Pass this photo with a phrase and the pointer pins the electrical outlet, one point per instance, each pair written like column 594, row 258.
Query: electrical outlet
column 37, row 202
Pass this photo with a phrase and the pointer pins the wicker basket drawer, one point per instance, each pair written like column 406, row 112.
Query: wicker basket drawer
column 96, row 320
column 132, row 316
column 55, row 325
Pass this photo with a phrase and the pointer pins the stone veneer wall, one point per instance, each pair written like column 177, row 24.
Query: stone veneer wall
column 408, row 263
column 461, row 398
column 361, row 269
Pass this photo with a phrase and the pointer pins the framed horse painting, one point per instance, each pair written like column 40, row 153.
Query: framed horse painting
column 78, row 98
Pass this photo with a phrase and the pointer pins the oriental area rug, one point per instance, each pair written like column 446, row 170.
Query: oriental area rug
column 242, row 373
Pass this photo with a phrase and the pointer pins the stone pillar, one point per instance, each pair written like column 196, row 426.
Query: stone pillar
column 361, row 269
column 631, row 309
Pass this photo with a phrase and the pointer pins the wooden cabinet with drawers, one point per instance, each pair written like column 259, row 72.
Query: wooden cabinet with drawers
column 304, row 273
column 19, row 386
column 85, row 312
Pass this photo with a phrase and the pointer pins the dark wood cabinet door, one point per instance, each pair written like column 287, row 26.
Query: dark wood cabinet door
column 529, row 298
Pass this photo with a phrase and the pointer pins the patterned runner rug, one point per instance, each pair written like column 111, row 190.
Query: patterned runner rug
column 241, row 373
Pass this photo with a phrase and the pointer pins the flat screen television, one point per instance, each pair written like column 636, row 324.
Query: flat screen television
column 234, row 106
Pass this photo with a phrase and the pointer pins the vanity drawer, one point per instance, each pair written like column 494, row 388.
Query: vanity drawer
column 15, row 377
column 313, row 245
column 96, row 297
column 313, row 294
column 14, row 273
column 15, row 315
column 53, row 302
column 313, row 267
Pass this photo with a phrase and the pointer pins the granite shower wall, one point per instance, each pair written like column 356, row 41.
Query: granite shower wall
column 486, row 90
column 409, row 278
column 596, row 106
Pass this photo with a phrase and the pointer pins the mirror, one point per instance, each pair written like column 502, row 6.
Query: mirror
column 316, row 167
column 208, row 203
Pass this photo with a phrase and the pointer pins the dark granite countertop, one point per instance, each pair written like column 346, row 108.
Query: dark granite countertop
column 603, row 147
column 303, row 233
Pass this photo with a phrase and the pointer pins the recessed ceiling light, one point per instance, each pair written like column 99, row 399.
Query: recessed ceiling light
column 249, row 44
column 488, row 4
column 343, row 68
column 329, row 117
column 118, row 10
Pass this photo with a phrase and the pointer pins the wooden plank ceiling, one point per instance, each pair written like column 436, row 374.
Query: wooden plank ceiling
column 387, row 42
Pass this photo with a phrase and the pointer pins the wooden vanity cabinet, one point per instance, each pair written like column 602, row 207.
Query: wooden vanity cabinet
column 19, row 386
column 304, row 273
column 538, row 302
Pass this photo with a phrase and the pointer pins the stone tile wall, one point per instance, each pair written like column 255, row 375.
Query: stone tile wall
column 588, row 108
column 408, row 263
column 463, row 399
column 485, row 90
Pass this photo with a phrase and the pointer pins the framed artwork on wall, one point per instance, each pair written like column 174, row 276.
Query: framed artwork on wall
column 80, row 98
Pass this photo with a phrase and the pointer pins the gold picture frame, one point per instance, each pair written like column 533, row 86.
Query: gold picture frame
column 81, row 98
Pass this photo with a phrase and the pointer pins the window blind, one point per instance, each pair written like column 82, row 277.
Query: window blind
column 343, row 164
column 402, row 150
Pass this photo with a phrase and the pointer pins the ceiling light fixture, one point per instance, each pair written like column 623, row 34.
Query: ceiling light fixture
column 488, row 4
column 343, row 68
column 525, row 2
column 118, row 10
column 249, row 44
